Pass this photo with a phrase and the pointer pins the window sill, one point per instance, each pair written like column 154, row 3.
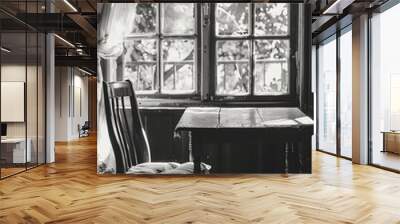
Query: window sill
column 145, row 103
column 179, row 104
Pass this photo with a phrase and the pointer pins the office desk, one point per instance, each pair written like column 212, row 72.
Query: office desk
column 288, row 129
column 13, row 150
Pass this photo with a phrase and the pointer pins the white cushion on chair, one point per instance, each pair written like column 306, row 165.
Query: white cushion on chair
column 167, row 168
column 188, row 168
column 141, row 170
column 152, row 168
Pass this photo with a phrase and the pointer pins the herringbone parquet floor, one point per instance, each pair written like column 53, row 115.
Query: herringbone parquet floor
column 69, row 191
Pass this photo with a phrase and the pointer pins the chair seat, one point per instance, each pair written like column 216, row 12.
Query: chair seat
column 167, row 168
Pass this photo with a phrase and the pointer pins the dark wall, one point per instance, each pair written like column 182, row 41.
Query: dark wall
column 250, row 153
column 165, row 144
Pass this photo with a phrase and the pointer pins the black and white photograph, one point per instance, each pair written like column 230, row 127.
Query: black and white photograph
column 182, row 89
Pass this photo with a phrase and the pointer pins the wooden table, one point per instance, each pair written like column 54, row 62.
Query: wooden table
column 286, row 125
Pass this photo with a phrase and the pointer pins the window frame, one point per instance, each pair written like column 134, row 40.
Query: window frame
column 290, row 97
column 158, row 36
column 334, row 36
column 206, row 63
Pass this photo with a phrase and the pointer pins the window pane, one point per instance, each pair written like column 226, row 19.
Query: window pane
column 233, row 67
column 178, row 18
column 14, row 68
column 141, row 63
column 232, row 19
column 271, row 67
column 385, row 88
column 346, row 94
column 327, row 97
column 271, row 19
column 145, row 19
column 178, row 66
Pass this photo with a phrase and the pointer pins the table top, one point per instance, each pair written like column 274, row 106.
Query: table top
column 391, row 132
column 243, row 117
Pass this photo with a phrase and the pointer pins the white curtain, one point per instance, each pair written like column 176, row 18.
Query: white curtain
column 115, row 22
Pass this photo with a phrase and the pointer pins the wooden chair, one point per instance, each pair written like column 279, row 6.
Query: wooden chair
column 127, row 135
column 84, row 129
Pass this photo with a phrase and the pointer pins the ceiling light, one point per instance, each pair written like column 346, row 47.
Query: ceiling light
column 64, row 40
column 337, row 7
column 70, row 5
column 5, row 50
column 84, row 71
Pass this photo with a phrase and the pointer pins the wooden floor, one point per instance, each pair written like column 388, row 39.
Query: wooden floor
column 5, row 172
column 71, row 192
column 386, row 159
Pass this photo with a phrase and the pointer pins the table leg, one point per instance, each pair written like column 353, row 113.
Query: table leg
column 196, row 151
column 307, row 145
column 260, row 156
column 286, row 157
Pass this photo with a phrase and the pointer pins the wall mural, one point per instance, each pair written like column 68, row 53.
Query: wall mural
column 149, row 51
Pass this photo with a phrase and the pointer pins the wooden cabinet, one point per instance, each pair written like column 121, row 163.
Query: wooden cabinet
column 391, row 142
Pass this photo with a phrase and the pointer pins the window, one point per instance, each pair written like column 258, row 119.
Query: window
column 164, row 39
column 334, row 95
column 327, row 96
column 346, row 74
column 249, row 47
column 252, row 51
column 385, row 89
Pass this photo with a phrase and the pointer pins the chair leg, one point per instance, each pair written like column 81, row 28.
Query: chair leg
column 196, row 152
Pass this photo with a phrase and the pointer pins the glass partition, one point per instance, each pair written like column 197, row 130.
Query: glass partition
column 31, row 100
column 15, row 149
column 22, row 91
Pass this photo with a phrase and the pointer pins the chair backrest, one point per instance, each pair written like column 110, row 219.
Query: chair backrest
column 86, row 124
column 127, row 135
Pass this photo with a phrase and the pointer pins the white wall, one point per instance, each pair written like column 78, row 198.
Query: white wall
column 12, row 73
column 17, row 73
column 62, row 82
column 68, row 115
column 79, row 115
column 33, row 126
